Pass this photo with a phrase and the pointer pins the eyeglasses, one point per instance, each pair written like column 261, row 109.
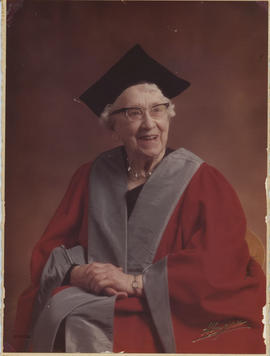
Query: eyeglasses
column 136, row 114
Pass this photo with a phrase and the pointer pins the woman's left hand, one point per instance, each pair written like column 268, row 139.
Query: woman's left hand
column 111, row 280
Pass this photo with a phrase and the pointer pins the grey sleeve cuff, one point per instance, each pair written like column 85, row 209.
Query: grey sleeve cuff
column 155, row 281
column 58, row 264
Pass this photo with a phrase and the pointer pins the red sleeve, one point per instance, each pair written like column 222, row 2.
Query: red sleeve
column 68, row 227
column 211, row 276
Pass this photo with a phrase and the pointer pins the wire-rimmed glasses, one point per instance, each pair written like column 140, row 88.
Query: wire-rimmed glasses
column 156, row 112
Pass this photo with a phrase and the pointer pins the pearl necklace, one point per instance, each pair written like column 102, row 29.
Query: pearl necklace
column 132, row 173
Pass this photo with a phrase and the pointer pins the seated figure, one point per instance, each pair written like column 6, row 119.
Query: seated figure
column 147, row 250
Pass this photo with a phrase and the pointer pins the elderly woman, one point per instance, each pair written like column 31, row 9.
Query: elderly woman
column 147, row 251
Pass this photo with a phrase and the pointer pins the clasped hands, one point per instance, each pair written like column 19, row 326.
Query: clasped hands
column 105, row 279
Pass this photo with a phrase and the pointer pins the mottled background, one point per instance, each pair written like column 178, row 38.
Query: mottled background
column 55, row 50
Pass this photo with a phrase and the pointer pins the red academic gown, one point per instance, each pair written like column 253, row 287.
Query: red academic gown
column 216, row 291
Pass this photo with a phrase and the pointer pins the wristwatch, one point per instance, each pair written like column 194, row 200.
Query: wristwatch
column 135, row 284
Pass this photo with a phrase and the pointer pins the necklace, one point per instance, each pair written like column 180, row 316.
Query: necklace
column 135, row 175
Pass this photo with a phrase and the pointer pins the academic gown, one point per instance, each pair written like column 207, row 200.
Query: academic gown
column 215, row 290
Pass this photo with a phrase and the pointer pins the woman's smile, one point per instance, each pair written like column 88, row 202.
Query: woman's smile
column 144, row 139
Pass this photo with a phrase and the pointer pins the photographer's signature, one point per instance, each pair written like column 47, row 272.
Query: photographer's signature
column 216, row 328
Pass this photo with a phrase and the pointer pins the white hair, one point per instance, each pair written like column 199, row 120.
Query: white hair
column 106, row 119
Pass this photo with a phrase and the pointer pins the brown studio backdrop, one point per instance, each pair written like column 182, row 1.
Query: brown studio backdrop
column 55, row 50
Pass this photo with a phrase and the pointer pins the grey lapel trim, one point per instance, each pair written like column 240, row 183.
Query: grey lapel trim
column 155, row 205
column 107, row 221
column 155, row 281
column 133, row 245
column 63, row 304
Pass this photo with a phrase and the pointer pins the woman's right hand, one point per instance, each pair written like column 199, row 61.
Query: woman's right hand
column 103, row 278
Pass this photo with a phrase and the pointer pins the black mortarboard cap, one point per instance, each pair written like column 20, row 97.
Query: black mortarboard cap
column 133, row 68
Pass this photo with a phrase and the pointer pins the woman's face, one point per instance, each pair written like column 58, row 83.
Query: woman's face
column 146, row 137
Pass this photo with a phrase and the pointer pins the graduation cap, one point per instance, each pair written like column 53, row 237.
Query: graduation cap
column 133, row 68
